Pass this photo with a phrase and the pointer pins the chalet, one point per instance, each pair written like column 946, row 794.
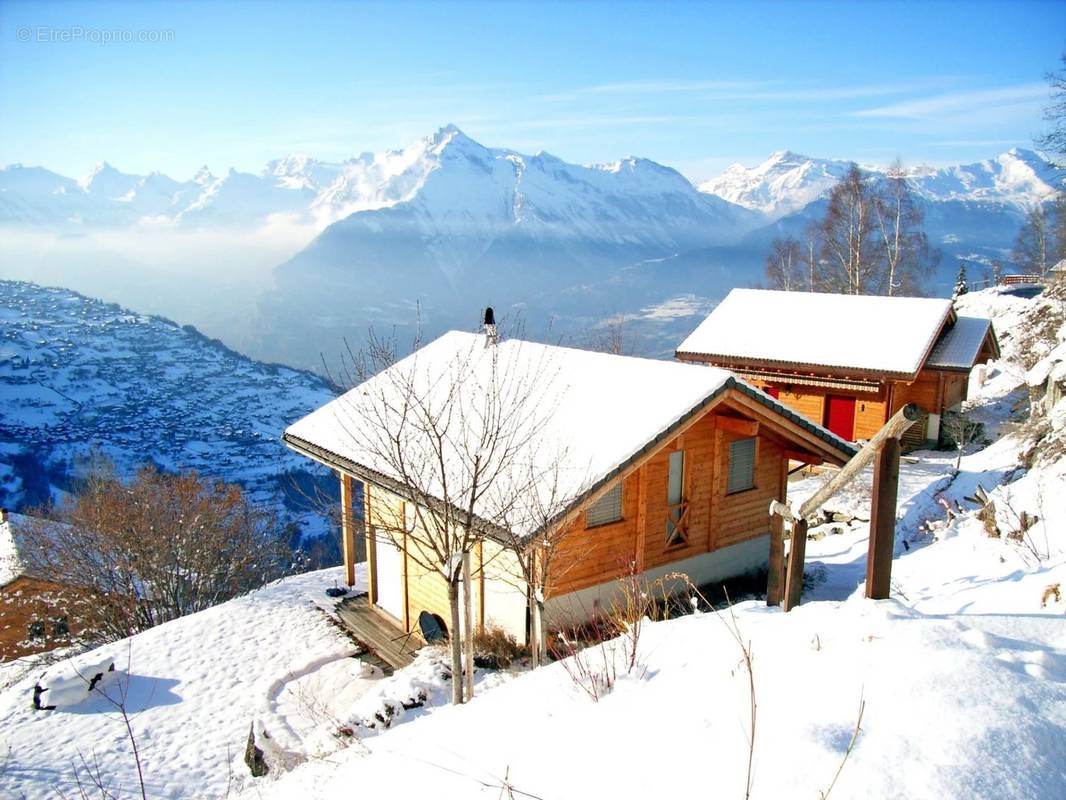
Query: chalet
column 847, row 362
column 659, row 467
column 31, row 621
column 1057, row 274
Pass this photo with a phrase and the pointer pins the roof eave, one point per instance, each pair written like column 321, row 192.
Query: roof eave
column 819, row 370
column 338, row 462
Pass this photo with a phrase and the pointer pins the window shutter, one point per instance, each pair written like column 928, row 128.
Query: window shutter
column 674, row 486
column 607, row 509
column 741, row 465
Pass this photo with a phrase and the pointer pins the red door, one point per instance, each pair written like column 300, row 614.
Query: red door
column 840, row 416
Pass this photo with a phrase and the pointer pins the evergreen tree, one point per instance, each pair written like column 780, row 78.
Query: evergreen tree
column 961, row 285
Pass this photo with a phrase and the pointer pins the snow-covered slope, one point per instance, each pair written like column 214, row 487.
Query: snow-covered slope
column 783, row 183
column 787, row 182
column 962, row 674
column 78, row 374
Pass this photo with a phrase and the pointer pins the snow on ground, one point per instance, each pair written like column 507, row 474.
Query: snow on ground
column 950, row 711
column 194, row 687
column 962, row 672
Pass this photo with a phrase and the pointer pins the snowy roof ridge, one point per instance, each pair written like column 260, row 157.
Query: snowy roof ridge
column 606, row 410
column 961, row 343
column 787, row 328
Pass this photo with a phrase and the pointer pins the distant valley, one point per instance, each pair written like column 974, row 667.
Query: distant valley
column 288, row 264
column 78, row 375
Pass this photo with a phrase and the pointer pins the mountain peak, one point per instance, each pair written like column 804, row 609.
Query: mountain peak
column 448, row 134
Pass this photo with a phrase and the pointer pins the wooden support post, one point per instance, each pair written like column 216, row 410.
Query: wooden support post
column 796, row 551
column 893, row 429
column 776, row 570
column 347, row 529
column 468, row 623
column 371, row 547
column 775, row 576
column 883, row 521
column 642, row 519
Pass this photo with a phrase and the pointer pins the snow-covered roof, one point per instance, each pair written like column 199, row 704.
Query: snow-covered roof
column 960, row 345
column 1060, row 266
column 12, row 547
column 590, row 413
column 860, row 332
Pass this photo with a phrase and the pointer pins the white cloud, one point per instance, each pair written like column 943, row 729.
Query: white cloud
column 959, row 102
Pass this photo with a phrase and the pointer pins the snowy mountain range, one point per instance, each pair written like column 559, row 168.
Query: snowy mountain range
column 456, row 181
column 78, row 374
column 786, row 182
column 453, row 181
column 433, row 232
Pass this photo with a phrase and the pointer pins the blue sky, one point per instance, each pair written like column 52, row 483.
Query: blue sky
column 694, row 85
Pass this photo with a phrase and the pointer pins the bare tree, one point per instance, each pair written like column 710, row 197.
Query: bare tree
column 125, row 556
column 1055, row 139
column 610, row 336
column 542, row 558
column 784, row 265
column 448, row 436
column 904, row 247
column 1033, row 247
column 811, row 256
column 959, row 430
column 850, row 243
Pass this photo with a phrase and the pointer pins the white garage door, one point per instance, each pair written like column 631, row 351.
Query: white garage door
column 390, row 576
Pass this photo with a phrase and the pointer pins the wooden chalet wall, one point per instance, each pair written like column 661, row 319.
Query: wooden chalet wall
column 715, row 519
column 934, row 391
column 871, row 408
column 23, row 601
column 592, row 557
column 422, row 587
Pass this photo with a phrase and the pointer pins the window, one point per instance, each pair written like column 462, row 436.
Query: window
column 60, row 628
column 675, row 499
column 741, row 465
column 607, row 509
column 35, row 630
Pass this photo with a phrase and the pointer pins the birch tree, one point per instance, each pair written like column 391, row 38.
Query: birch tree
column 811, row 248
column 850, row 243
column 448, row 436
column 1033, row 248
column 904, row 247
column 784, row 265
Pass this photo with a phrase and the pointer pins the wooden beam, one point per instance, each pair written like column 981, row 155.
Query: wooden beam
column 744, row 427
column 347, row 529
column 893, row 429
column 775, row 577
column 642, row 518
column 883, row 521
column 787, row 428
column 716, row 504
column 796, row 552
column 804, row 456
column 371, row 547
column 403, row 570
